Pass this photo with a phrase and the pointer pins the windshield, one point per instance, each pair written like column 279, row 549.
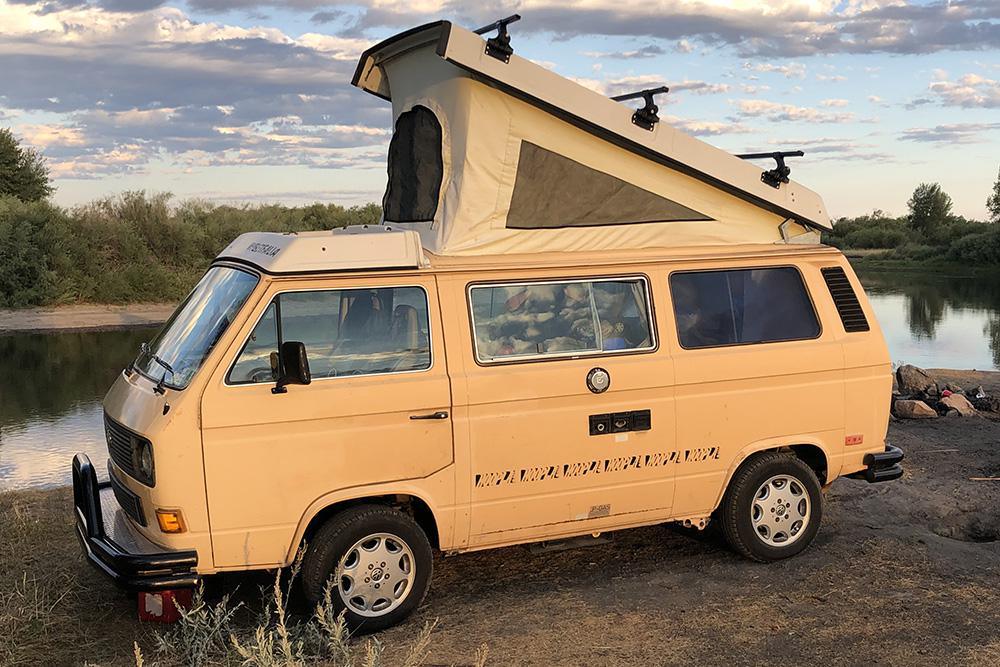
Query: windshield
column 180, row 348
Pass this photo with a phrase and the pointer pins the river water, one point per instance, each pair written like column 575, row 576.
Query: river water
column 51, row 385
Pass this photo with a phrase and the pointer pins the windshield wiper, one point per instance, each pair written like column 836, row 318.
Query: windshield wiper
column 144, row 350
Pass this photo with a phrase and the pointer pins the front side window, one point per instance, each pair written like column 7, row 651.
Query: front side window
column 346, row 332
column 564, row 318
column 738, row 307
column 191, row 333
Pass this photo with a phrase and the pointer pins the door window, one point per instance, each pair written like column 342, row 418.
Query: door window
column 345, row 332
column 739, row 307
column 560, row 318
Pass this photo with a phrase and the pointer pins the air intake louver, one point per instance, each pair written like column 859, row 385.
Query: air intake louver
column 845, row 299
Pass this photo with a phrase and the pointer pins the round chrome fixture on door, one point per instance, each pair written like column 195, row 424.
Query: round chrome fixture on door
column 598, row 380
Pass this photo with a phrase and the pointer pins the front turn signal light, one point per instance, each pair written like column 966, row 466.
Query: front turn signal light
column 171, row 521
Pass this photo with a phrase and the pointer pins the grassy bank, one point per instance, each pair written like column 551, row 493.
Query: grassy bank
column 134, row 247
column 56, row 610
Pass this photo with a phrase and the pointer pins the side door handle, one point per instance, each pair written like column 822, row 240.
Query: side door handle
column 440, row 414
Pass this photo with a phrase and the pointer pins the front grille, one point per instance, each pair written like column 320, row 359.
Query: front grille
column 130, row 503
column 848, row 307
column 122, row 446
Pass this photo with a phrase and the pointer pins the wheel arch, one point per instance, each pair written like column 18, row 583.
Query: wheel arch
column 811, row 451
column 321, row 511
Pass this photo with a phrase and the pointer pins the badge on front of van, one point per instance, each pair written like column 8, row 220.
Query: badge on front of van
column 598, row 380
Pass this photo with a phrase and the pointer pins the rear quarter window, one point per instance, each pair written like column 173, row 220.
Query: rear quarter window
column 741, row 307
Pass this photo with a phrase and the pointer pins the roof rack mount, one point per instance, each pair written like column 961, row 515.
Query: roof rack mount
column 774, row 177
column 499, row 47
column 646, row 117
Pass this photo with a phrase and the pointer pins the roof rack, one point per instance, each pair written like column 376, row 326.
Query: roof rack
column 774, row 177
column 499, row 47
column 646, row 117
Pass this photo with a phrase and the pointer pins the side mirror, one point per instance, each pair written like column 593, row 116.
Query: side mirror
column 293, row 366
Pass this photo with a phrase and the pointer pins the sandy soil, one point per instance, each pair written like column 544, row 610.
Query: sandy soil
column 84, row 317
column 902, row 573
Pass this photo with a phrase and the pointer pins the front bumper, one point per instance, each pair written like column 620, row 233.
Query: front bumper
column 131, row 560
column 881, row 466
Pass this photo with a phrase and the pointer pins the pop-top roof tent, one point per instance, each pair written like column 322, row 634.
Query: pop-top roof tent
column 492, row 153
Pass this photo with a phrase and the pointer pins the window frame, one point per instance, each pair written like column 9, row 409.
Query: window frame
column 274, row 300
column 558, row 356
column 805, row 287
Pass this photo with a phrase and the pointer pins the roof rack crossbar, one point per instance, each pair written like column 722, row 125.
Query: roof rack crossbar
column 499, row 47
column 774, row 177
column 646, row 117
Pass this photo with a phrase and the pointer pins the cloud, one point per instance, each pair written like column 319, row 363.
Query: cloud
column 826, row 149
column 833, row 78
column 968, row 91
column 703, row 128
column 777, row 112
column 648, row 51
column 834, row 103
column 136, row 86
column 789, row 71
column 759, row 28
column 957, row 133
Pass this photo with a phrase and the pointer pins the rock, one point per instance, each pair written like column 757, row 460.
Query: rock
column 978, row 392
column 908, row 409
column 959, row 403
column 912, row 380
column 953, row 388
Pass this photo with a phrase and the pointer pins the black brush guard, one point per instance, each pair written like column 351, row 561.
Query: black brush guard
column 131, row 561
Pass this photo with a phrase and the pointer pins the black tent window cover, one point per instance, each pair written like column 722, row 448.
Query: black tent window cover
column 553, row 191
column 415, row 168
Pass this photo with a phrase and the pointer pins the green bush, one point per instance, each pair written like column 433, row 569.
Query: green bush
column 134, row 247
column 982, row 248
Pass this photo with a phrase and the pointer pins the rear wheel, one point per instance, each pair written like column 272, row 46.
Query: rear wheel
column 378, row 561
column 772, row 508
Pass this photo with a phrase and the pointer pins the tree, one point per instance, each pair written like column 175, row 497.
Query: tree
column 23, row 172
column 930, row 208
column 993, row 201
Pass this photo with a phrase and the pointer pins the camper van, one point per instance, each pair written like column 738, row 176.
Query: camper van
column 574, row 320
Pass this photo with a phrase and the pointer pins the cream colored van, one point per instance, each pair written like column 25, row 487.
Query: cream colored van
column 575, row 319
column 446, row 404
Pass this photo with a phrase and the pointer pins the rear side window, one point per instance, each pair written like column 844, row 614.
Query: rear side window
column 516, row 321
column 738, row 307
column 346, row 332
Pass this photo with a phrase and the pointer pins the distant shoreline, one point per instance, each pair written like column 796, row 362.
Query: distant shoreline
column 83, row 317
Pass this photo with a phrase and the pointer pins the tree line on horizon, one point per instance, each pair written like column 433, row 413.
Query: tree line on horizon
column 144, row 247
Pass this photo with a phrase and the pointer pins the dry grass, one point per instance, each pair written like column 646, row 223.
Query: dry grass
column 56, row 610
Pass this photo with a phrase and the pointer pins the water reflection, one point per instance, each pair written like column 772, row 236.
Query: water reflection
column 51, row 386
column 938, row 319
column 50, row 400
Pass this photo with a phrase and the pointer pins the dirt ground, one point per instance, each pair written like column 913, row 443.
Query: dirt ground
column 902, row 573
column 83, row 317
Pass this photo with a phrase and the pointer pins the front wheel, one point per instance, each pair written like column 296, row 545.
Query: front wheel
column 378, row 561
column 772, row 508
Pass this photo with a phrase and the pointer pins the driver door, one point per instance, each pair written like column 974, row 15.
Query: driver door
column 376, row 355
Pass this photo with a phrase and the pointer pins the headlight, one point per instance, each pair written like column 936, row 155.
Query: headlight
column 145, row 461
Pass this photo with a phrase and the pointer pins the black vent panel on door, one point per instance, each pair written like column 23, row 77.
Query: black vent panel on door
column 848, row 306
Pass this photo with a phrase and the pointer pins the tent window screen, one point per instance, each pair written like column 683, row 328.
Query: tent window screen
column 739, row 307
column 558, row 319
column 552, row 191
column 416, row 168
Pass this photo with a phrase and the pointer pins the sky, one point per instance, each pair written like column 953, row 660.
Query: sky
column 250, row 101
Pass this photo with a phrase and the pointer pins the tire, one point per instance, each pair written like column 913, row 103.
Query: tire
column 373, row 547
column 759, row 527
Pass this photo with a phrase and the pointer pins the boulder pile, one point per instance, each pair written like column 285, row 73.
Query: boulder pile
column 919, row 396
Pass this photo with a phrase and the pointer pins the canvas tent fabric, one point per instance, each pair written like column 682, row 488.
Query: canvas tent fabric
column 527, row 161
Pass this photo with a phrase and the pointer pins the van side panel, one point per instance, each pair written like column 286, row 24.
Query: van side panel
column 868, row 383
column 738, row 399
column 271, row 458
column 535, row 471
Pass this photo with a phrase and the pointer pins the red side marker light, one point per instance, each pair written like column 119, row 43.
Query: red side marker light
column 854, row 440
